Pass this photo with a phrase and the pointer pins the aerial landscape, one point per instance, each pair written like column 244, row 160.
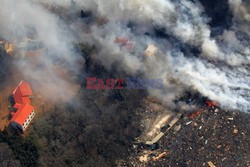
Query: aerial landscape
column 125, row 83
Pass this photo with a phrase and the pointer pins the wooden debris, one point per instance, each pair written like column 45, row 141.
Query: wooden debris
column 195, row 124
column 210, row 164
column 235, row 131
column 161, row 134
column 160, row 156
column 177, row 128
column 219, row 146
column 143, row 158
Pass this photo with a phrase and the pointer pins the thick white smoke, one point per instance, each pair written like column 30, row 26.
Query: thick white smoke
column 20, row 19
column 220, row 71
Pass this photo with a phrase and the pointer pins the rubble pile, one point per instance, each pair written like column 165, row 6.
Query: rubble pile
column 214, row 137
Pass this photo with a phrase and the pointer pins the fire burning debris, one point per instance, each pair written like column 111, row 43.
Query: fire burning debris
column 198, row 141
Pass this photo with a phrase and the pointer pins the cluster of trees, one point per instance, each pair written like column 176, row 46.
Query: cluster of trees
column 91, row 131
column 17, row 150
column 7, row 157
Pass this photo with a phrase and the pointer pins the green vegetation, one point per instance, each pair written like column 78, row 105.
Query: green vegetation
column 24, row 149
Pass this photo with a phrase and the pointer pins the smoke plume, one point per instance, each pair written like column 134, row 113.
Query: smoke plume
column 24, row 19
column 218, row 68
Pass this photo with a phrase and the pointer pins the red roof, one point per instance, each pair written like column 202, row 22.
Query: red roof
column 121, row 40
column 24, row 88
column 19, row 99
column 125, row 42
column 22, row 114
column 17, row 105
column 21, row 94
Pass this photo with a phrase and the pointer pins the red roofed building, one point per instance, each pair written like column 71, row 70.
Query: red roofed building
column 23, row 116
column 121, row 40
column 22, row 94
column 125, row 42
column 24, row 111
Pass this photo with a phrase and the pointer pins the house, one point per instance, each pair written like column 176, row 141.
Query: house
column 22, row 94
column 23, row 110
column 27, row 47
column 30, row 47
column 125, row 42
column 22, row 117
column 151, row 50
column 7, row 46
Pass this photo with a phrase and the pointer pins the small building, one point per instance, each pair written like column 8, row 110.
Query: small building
column 151, row 50
column 7, row 46
column 26, row 47
column 129, row 45
column 30, row 47
column 121, row 40
column 23, row 110
column 22, row 117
